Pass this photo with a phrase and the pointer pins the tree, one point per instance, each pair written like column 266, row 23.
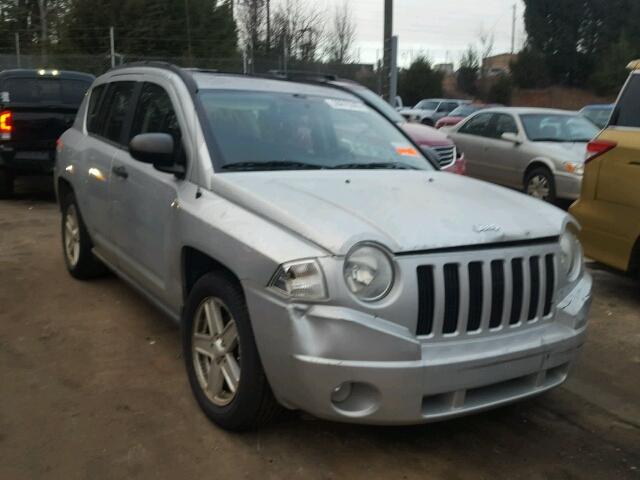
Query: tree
column 343, row 35
column 297, row 29
column 419, row 81
column 500, row 91
column 529, row 70
column 612, row 72
column 467, row 78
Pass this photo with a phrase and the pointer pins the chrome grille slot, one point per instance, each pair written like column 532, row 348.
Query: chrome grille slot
column 474, row 297
column 446, row 155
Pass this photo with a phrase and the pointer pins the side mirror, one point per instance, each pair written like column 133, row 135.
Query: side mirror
column 157, row 149
column 511, row 137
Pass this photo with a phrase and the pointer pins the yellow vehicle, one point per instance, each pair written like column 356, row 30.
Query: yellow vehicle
column 609, row 206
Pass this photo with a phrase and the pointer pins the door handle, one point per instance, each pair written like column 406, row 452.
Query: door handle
column 121, row 172
column 635, row 164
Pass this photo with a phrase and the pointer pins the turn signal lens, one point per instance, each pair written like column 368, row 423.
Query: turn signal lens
column 597, row 148
column 303, row 280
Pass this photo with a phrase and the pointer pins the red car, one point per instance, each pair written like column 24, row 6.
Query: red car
column 459, row 114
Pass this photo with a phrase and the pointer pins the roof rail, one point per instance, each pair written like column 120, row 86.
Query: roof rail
column 634, row 65
column 301, row 75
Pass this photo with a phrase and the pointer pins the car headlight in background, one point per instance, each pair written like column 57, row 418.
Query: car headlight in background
column 571, row 256
column 368, row 272
column 303, row 280
column 575, row 168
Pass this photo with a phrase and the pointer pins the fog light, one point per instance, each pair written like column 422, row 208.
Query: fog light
column 341, row 393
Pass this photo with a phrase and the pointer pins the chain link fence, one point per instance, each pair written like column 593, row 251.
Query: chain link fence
column 98, row 64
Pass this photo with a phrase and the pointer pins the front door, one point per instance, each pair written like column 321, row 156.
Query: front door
column 144, row 200
column 471, row 139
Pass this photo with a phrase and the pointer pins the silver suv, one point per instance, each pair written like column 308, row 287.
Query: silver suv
column 313, row 257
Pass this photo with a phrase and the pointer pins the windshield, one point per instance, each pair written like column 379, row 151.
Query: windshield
column 465, row 110
column 427, row 105
column 279, row 131
column 558, row 128
column 381, row 105
column 598, row 115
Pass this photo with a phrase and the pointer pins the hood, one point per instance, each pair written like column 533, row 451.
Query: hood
column 416, row 111
column 428, row 136
column 568, row 152
column 406, row 211
column 451, row 120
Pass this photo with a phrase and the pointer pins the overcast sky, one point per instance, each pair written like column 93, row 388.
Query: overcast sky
column 440, row 28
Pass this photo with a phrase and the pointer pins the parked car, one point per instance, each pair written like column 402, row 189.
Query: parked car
column 449, row 158
column 312, row 256
column 609, row 206
column 36, row 106
column 460, row 113
column 539, row 151
column 428, row 112
column 598, row 114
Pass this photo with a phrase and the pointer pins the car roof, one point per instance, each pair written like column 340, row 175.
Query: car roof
column 528, row 111
column 48, row 73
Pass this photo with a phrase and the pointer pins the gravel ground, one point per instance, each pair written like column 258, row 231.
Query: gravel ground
column 93, row 386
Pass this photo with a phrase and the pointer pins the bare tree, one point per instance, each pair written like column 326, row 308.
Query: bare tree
column 342, row 37
column 487, row 42
column 297, row 30
column 252, row 19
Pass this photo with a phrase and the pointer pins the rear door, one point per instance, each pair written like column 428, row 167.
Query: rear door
column 144, row 200
column 471, row 139
column 106, row 118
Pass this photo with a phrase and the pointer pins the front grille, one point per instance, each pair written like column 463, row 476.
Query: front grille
column 469, row 297
column 446, row 155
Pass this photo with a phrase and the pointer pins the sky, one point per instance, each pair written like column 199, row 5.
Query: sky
column 441, row 29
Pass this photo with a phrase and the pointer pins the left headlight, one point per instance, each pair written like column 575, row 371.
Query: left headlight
column 303, row 280
column 571, row 256
column 368, row 272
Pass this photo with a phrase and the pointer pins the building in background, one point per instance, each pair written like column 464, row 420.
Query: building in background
column 498, row 64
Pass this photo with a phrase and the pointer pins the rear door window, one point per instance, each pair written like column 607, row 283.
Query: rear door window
column 627, row 113
column 478, row 125
column 51, row 91
column 502, row 124
column 115, row 109
column 93, row 118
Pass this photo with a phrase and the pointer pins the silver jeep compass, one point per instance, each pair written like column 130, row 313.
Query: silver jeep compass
column 313, row 256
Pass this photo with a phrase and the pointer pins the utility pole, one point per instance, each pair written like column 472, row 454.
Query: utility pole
column 19, row 60
column 386, row 60
column 187, row 13
column 268, row 25
column 112, row 46
column 393, row 81
column 513, row 29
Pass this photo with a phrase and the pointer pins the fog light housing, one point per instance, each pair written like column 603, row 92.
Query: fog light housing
column 341, row 393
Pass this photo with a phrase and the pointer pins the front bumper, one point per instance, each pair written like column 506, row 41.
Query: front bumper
column 389, row 376
column 568, row 186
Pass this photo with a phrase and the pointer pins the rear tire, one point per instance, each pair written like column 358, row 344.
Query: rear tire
column 224, row 370
column 540, row 183
column 76, row 243
column 428, row 122
column 6, row 183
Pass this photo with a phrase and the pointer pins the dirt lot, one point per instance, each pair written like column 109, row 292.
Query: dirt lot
column 92, row 386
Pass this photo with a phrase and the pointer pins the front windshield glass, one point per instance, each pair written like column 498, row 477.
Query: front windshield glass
column 465, row 110
column 558, row 128
column 427, row 105
column 280, row 131
column 381, row 105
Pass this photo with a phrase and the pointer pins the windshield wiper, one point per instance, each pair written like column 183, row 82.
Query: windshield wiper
column 373, row 166
column 273, row 165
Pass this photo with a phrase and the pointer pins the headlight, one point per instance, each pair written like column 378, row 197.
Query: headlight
column 368, row 272
column 302, row 280
column 571, row 259
column 575, row 168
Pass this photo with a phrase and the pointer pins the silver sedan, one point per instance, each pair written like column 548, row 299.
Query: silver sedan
column 540, row 151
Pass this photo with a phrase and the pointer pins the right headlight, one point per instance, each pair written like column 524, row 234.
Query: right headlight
column 571, row 256
column 368, row 272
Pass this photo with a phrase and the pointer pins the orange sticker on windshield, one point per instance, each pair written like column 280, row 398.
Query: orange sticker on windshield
column 407, row 151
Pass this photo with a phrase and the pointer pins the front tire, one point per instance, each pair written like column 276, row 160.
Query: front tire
column 221, row 357
column 540, row 183
column 76, row 243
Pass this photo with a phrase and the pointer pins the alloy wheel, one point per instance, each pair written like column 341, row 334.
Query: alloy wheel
column 72, row 236
column 216, row 351
column 539, row 187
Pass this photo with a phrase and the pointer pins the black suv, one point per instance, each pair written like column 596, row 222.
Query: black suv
column 36, row 107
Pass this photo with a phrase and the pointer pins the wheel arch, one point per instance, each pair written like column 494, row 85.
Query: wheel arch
column 196, row 264
column 538, row 163
column 63, row 188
